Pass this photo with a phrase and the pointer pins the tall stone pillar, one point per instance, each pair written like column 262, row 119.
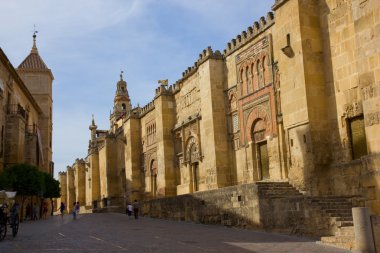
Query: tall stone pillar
column 71, row 198
column 213, row 125
column 165, row 120
column 80, row 183
column 63, row 183
column 132, row 156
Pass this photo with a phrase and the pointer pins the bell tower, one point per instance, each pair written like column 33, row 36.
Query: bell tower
column 39, row 80
column 121, row 102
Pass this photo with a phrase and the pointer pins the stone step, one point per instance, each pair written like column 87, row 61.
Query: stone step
column 271, row 183
column 344, row 242
column 346, row 231
column 341, row 224
column 276, row 189
column 344, row 218
column 280, row 191
column 335, row 207
column 331, row 201
column 332, row 215
column 343, row 204
column 342, row 211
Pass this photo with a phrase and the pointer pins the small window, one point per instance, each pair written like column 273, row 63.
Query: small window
column 124, row 107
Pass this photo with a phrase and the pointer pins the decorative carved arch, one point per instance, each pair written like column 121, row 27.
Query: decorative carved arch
column 257, row 114
column 245, row 78
column 148, row 166
column 193, row 153
column 232, row 100
column 153, row 167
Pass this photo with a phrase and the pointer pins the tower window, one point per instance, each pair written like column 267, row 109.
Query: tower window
column 124, row 107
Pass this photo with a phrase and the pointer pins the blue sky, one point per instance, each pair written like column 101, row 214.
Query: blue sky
column 86, row 44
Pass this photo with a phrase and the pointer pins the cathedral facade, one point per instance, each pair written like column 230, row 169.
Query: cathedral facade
column 294, row 98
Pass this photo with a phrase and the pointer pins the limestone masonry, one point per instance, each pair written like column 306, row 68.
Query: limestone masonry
column 292, row 105
column 26, row 115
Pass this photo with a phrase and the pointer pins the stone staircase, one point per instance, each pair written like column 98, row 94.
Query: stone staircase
column 344, row 238
column 337, row 211
column 277, row 190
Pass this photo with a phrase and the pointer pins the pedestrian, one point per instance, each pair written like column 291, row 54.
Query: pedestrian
column 44, row 210
column 35, row 211
column 77, row 207
column 28, row 212
column 62, row 209
column 136, row 209
column 129, row 210
column 74, row 210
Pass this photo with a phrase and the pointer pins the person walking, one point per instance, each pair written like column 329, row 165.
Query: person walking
column 28, row 212
column 129, row 210
column 62, row 209
column 35, row 211
column 75, row 210
column 44, row 210
column 136, row 209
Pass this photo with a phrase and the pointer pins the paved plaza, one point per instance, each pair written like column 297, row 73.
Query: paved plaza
column 112, row 232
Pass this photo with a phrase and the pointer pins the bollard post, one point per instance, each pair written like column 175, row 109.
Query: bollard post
column 363, row 231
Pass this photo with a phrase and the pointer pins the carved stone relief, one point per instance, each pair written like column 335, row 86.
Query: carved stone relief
column 353, row 109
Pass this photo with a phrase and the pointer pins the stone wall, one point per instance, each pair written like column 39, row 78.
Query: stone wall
column 354, row 178
column 242, row 206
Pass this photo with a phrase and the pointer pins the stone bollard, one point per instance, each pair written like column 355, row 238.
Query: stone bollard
column 363, row 231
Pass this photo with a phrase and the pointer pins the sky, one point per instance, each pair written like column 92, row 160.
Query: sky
column 87, row 43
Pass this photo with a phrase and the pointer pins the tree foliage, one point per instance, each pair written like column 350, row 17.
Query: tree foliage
column 26, row 179
column 52, row 189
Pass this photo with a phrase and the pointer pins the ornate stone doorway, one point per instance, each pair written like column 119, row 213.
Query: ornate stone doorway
column 194, row 166
column 263, row 159
column 259, row 138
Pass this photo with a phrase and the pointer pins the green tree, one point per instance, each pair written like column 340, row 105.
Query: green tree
column 52, row 189
column 26, row 179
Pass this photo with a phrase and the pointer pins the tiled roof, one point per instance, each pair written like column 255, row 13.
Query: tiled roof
column 33, row 61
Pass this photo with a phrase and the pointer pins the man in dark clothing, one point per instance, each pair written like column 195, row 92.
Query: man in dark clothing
column 136, row 209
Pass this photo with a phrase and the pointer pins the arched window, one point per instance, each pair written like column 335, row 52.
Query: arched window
column 247, row 81
column 124, row 107
column 253, row 77
column 241, row 81
column 259, row 74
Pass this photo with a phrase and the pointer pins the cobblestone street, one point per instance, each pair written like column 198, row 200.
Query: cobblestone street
column 114, row 232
